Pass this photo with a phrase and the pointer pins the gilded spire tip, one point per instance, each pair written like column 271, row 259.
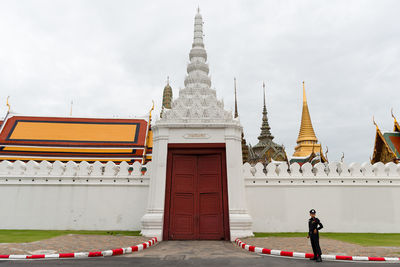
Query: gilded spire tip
column 374, row 122
column 304, row 93
column 396, row 124
column 391, row 111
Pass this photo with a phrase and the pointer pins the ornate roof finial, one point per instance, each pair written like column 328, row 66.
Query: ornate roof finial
column 8, row 105
column 70, row 112
column 148, row 134
column 374, row 122
column 167, row 80
column 396, row 127
column 236, row 108
column 198, row 9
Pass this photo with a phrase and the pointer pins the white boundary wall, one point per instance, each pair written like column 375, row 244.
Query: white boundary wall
column 350, row 198
column 72, row 196
column 354, row 198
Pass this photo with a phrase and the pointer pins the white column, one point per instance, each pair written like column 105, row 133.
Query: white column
column 152, row 221
column 239, row 219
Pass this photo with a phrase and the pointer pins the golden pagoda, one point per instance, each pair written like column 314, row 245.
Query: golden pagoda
column 307, row 149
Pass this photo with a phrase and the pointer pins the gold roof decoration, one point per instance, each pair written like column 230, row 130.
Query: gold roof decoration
column 8, row 105
column 396, row 127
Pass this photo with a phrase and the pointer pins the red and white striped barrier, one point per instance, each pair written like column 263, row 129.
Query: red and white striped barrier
column 310, row 255
column 81, row 255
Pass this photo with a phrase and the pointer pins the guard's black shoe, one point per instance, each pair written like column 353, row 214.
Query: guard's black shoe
column 319, row 259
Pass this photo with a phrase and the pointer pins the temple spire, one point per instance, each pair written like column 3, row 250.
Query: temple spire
column 197, row 101
column 307, row 148
column 306, row 133
column 236, row 108
column 265, row 129
column 197, row 69
column 266, row 150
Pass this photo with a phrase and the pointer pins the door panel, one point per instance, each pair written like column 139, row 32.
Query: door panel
column 196, row 210
column 183, row 219
column 210, row 197
column 210, row 216
column 182, row 212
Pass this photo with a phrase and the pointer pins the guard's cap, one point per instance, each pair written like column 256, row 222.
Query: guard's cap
column 312, row 211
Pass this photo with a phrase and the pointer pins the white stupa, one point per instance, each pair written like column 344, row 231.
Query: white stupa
column 197, row 120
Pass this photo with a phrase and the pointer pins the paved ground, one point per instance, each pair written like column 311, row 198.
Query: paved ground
column 85, row 243
column 185, row 250
column 187, row 253
column 328, row 246
column 171, row 253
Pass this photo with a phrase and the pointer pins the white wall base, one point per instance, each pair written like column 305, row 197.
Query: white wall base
column 240, row 223
column 152, row 224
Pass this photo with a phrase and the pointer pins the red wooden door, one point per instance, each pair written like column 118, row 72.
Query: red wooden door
column 196, row 197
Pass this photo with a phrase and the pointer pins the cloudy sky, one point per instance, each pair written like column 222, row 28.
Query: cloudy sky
column 111, row 58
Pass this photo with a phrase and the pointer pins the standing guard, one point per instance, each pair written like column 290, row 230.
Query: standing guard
column 314, row 225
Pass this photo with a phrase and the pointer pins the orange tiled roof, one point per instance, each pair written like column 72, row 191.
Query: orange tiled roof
column 78, row 139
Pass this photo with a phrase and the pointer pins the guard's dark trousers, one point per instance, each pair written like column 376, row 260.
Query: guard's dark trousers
column 314, row 238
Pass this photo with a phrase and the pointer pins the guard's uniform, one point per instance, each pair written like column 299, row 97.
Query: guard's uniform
column 315, row 224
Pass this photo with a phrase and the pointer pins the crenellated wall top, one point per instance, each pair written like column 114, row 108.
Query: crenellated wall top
column 273, row 173
column 73, row 169
column 320, row 171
